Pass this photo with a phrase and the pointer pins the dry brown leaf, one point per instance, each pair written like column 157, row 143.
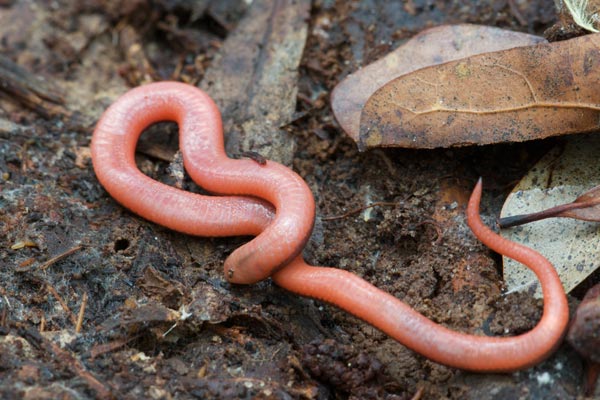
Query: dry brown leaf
column 585, row 207
column 508, row 96
column 430, row 47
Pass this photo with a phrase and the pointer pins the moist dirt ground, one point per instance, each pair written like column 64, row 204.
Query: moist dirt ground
column 66, row 245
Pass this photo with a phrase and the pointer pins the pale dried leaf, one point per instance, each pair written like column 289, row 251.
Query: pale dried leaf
column 581, row 14
column 571, row 245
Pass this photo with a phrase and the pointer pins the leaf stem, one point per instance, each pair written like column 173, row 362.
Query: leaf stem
column 515, row 220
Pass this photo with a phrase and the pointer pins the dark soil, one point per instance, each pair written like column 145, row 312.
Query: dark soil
column 64, row 241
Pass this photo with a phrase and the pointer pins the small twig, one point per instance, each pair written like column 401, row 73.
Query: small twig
column 26, row 263
column 81, row 312
column 418, row 394
column 24, row 156
column 63, row 304
column 100, row 349
column 357, row 210
column 27, row 266
column 60, row 257
column 67, row 360
column 4, row 313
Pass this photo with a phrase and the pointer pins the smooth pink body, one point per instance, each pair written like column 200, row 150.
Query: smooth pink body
column 113, row 149
column 283, row 229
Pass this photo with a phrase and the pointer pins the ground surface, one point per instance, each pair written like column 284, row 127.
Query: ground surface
column 241, row 342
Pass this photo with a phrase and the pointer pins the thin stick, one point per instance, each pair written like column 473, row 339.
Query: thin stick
column 108, row 347
column 418, row 394
column 60, row 257
column 81, row 312
column 66, row 360
column 63, row 304
column 515, row 220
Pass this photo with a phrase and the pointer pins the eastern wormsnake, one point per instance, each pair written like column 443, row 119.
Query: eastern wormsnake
column 275, row 204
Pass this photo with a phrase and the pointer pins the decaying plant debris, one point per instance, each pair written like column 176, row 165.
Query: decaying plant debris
column 433, row 46
column 160, row 321
column 524, row 93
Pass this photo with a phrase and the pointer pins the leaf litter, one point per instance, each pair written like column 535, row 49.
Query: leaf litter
column 513, row 95
column 570, row 244
column 430, row 47
column 68, row 206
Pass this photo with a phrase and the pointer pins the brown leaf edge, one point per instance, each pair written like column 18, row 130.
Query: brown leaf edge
column 585, row 208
